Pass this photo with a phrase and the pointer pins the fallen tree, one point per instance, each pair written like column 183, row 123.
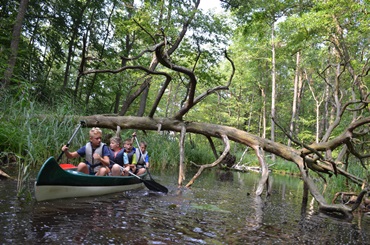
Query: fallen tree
column 303, row 157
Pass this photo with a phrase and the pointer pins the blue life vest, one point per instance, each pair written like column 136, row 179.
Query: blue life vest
column 118, row 158
column 130, row 156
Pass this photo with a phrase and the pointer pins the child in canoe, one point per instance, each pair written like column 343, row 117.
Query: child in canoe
column 118, row 159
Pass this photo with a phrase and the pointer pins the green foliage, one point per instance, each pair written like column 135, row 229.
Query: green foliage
column 283, row 167
column 164, row 149
column 32, row 133
column 199, row 153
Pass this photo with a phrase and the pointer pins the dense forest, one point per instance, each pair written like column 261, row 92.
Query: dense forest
column 288, row 79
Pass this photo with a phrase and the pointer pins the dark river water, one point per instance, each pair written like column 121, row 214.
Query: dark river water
column 220, row 208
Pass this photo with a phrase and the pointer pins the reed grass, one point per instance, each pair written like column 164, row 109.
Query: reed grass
column 31, row 133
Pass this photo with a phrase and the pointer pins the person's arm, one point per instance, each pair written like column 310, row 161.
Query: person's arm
column 105, row 158
column 147, row 161
column 69, row 154
column 133, row 138
column 106, row 161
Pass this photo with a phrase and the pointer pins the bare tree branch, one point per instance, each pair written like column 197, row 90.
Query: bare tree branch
column 226, row 150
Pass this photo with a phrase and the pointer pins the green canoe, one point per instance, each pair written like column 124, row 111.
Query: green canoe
column 53, row 182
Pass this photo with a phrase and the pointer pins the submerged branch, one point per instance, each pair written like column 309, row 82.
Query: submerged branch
column 265, row 171
column 202, row 167
column 4, row 175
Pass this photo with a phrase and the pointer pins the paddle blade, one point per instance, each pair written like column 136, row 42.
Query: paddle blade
column 154, row 186
column 67, row 166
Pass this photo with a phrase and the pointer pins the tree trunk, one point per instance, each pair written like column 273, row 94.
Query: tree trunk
column 14, row 43
column 318, row 102
column 273, row 86
column 182, row 156
column 69, row 57
column 263, row 116
column 144, row 95
column 295, row 97
column 100, row 57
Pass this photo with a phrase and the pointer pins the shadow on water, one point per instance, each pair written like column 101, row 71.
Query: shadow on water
column 220, row 208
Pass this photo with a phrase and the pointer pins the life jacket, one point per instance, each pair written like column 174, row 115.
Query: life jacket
column 118, row 158
column 130, row 156
column 140, row 158
column 94, row 164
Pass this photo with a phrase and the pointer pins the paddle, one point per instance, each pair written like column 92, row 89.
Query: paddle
column 68, row 165
column 150, row 184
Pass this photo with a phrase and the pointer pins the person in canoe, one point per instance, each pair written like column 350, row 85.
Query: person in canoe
column 96, row 155
column 118, row 158
column 141, row 159
column 129, row 149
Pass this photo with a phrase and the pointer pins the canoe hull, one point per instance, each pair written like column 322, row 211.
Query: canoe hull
column 50, row 192
column 54, row 183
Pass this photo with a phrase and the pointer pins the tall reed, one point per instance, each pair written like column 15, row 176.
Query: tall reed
column 32, row 133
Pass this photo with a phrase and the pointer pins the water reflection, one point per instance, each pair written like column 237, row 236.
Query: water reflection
column 224, row 175
column 220, row 208
column 254, row 222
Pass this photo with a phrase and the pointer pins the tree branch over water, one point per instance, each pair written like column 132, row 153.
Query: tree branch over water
column 245, row 138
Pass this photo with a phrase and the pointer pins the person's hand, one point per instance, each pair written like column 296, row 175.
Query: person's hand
column 64, row 148
column 97, row 156
column 134, row 134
